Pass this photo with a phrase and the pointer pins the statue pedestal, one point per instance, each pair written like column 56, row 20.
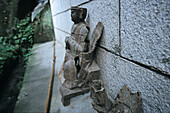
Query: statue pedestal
column 67, row 94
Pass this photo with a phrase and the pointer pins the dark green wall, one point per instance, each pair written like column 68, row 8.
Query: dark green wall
column 44, row 29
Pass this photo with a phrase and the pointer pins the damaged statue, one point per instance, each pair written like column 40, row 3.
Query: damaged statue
column 101, row 102
column 79, row 68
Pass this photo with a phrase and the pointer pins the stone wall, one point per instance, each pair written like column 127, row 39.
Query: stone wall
column 134, row 49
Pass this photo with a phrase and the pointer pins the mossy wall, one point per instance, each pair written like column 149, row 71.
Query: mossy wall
column 44, row 30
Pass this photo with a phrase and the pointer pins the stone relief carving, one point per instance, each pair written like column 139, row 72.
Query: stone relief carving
column 79, row 68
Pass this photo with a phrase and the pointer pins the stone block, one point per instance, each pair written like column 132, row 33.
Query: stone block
column 107, row 13
column 116, row 72
column 145, row 32
column 67, row 94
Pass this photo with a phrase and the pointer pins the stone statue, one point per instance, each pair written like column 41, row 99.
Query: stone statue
column 75, row 45
column 127, row 102
column 100, row 103
column 79, row 68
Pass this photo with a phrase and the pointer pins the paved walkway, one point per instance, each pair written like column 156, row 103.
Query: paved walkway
column 33, row 95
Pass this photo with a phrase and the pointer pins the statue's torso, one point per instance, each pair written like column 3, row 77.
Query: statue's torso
column 77, row 35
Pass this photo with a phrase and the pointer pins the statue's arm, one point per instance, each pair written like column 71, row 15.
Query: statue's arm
column 73, row 44
column 85, row 32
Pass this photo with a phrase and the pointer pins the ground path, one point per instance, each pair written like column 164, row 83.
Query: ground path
column 33, row 95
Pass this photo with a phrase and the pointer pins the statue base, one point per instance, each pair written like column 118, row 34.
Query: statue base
column 67, row 94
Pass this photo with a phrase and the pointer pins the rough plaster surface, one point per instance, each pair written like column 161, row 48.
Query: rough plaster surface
column 96, row 10
column 116, row 72
column 107, row 13
column 144, row 38
column 145, row 32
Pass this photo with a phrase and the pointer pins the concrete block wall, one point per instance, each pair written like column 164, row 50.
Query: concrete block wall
column 134, row 49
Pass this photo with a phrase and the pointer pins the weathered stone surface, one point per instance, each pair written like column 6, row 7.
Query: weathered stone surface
column 127, row 102
column 145, row 32
column 107, row 13
column 93, row 72
column 116, row 72
column 96, row 10
column 75, row 45
column 67, row 94
column 140, row 41
column 78, row 104
column 101, row 102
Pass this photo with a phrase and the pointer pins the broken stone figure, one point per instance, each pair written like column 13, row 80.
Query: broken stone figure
column 79, row 68
column 127, row 102
column 100, row 103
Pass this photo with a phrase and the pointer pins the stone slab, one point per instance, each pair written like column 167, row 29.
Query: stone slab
column 68, row 94
column 145, row 32
column 107, row 13
column 116, row 72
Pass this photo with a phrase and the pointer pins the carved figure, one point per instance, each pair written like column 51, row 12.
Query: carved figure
column 79, row 68
column 75, row 45
column 127, row 102
column 100, row 103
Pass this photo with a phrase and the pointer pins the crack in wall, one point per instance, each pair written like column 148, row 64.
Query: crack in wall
column 70, row 8
column 68, row 32
column 151, row 68
column 119, row 46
